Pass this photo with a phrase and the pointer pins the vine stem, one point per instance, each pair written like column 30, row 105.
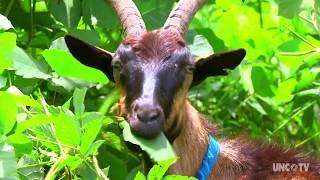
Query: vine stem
column 53, row 168
column 308, row 139
column 98, row 169
column 295, row 114
column 48, row 141
column 35, row 165
column 296, row 53
column 300, row 37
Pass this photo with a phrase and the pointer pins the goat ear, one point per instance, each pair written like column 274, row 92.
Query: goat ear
column 217, row 64
column 90, row 55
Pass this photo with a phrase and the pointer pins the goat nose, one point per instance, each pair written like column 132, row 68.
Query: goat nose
column 148, row 113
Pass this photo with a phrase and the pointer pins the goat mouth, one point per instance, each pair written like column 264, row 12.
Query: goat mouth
column 148, row 130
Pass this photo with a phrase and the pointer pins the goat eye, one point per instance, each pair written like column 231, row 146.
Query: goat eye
column 117, row 66
column 189, row 68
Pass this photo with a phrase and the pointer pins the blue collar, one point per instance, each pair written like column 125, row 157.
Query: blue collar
column 209, row 159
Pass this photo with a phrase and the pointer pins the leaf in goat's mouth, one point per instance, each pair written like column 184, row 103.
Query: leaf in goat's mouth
column 158, row 149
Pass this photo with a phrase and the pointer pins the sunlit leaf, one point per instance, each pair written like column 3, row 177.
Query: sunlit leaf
column 5, row 24
column 90, row 132
column 139, row 176
column 158, row 170
column 66, row 65
column 8, row 112
column 285, row 89
column 7, row 45
column 71, row 162
column 67, row 129
column 93, row 149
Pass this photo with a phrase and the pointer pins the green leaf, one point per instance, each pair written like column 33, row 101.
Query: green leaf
column 200, row 47
column 3, row 81
column 8, row 112
column 113, row 139
column 158, row 170
column 7, row 45
column 260, row 82
column 67, row 129
column 158, row 149
column 290, row 8
column 36, row 120
column 93, row 149
column 314, row 92
column 78, row 99
column 59, row 43
column 90, row 132
column 106, row 171
column 305, row 80
column 66, row 11
column 19, row 98
column 87, row 172
column 27, row 67
column 154, row 12
column 67, row 104
column 72, row 162
column 66, row 65
column 308, row 117
column 139, row 176
column 26, row 169
column 22, row 144
column 63, row 84
column 216, row 43
column 257, row 106
column 285, row 89
column 7, row 162
column 5, row 24
column 89, row 36
column 94, row 13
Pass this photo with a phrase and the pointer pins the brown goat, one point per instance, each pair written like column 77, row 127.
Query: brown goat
column 154, row 71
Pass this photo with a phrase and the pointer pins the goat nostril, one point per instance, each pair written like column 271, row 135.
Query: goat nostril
column 136, row 108
column 148, row 115
column 154, row 115
column 140, row 116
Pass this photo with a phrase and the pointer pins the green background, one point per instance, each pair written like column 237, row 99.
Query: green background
column 57, row 114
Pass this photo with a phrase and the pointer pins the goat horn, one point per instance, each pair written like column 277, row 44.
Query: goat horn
column 181, row 15
column 130, row 17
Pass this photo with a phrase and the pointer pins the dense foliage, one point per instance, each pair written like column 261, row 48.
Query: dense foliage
column 56, row 115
